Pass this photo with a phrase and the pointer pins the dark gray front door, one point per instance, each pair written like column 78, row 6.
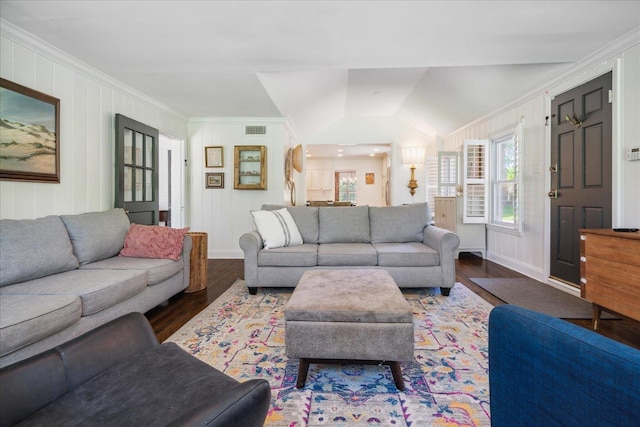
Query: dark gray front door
column 137, row 170
column 581, row 183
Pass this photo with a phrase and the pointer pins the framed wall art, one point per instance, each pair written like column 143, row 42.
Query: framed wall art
column 214, row 180
column 369, row 178
column 214, row 157
column 29, row 134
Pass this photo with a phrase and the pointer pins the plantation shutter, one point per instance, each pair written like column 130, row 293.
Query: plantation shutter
column 475, row 208
column 447, row 173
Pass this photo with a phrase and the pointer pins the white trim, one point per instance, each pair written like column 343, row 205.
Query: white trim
column 506, row 229
column 533, row 273
column 28, row 40
column 225, row 254
column 563, row 287
column 527, row 270
column 613, row 49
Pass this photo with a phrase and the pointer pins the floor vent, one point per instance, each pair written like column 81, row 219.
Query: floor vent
column 255, row 130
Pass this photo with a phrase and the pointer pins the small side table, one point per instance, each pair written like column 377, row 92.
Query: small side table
column 198, row 264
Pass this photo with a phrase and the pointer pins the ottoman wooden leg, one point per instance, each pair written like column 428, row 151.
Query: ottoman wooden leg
column 303, row 369
column 397, row 375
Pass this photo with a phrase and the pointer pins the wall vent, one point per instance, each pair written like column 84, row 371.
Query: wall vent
column 255, row 130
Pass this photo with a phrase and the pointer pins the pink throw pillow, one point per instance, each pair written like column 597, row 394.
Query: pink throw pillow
column 153, row 241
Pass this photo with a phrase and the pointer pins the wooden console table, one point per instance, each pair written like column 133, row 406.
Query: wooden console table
column 610, row 271
column 198, row 264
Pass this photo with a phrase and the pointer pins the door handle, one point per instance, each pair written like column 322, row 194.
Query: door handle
column 553, row 194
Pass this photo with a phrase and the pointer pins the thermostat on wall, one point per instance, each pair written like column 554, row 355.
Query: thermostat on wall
column 633, row 153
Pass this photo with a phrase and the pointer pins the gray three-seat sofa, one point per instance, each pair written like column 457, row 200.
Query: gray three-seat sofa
column 398, row 239
column 61, row 276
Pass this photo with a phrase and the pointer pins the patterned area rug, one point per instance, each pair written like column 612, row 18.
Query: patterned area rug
column 445, row 385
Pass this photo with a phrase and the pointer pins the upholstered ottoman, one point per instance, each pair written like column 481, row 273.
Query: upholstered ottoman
column 339, row 315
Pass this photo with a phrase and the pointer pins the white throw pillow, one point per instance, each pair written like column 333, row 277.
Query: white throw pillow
column 277, row 228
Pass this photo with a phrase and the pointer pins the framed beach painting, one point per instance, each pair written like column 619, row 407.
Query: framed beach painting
column 215, row 180
column 29, row 134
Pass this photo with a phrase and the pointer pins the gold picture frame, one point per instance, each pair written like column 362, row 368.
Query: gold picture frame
column 214, row 157
column 250, row 167
column 30, row 136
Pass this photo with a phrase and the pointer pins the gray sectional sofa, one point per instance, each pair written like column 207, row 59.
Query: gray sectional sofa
column 398, row 239
column 61, row 276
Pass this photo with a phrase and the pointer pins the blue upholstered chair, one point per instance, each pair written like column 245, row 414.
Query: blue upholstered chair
column 544, row 371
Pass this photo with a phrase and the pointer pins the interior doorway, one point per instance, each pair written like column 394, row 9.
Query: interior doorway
column 171, row 182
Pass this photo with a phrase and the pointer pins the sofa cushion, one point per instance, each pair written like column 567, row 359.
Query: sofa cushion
column 97, row 289
column 158, row 269
column 276, row 228
column 33, row 248
column 153, row 241
column 353, row 254
column 306, row 219
column 26, row 319
column 345, row 225
column 97, row 235
column 395, row 224
column 410, row 254
column 305, row 255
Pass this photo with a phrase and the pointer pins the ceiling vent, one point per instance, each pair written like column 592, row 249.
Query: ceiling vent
column 255, row 130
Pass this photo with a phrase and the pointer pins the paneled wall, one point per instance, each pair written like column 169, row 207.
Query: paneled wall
column 225, row 213
column 528, row 253
column 89, row 101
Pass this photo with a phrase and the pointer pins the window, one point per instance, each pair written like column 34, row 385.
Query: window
column 346, row 186
column 447, row 173
column 505, row 179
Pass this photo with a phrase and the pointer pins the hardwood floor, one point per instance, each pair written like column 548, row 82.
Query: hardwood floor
column 222, row 273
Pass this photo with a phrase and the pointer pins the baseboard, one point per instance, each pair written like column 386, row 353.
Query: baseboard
column 527, row 270
column 225, row 254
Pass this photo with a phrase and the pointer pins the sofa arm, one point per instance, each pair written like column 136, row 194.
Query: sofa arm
column 29, row 385
column 547, row 371
column 251, row 243
column 187, row 244
column 445, row 243
column 244, row 405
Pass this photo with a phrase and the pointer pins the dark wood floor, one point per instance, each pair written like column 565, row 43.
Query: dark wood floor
column 222, row 273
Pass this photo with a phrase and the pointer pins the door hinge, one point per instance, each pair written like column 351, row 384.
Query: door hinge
column 610, row 96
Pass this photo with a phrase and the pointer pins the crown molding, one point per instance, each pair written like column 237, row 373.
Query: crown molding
column 30, row 41
column 604, row 59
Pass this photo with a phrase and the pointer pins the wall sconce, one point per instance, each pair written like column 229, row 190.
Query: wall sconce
column 413, row 156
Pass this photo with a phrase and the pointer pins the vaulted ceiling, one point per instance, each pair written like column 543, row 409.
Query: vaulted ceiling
column 432, row 65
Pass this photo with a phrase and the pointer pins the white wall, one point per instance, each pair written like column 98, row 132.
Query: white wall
column 89, row 101
column 528, row 253
column 224, row 214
